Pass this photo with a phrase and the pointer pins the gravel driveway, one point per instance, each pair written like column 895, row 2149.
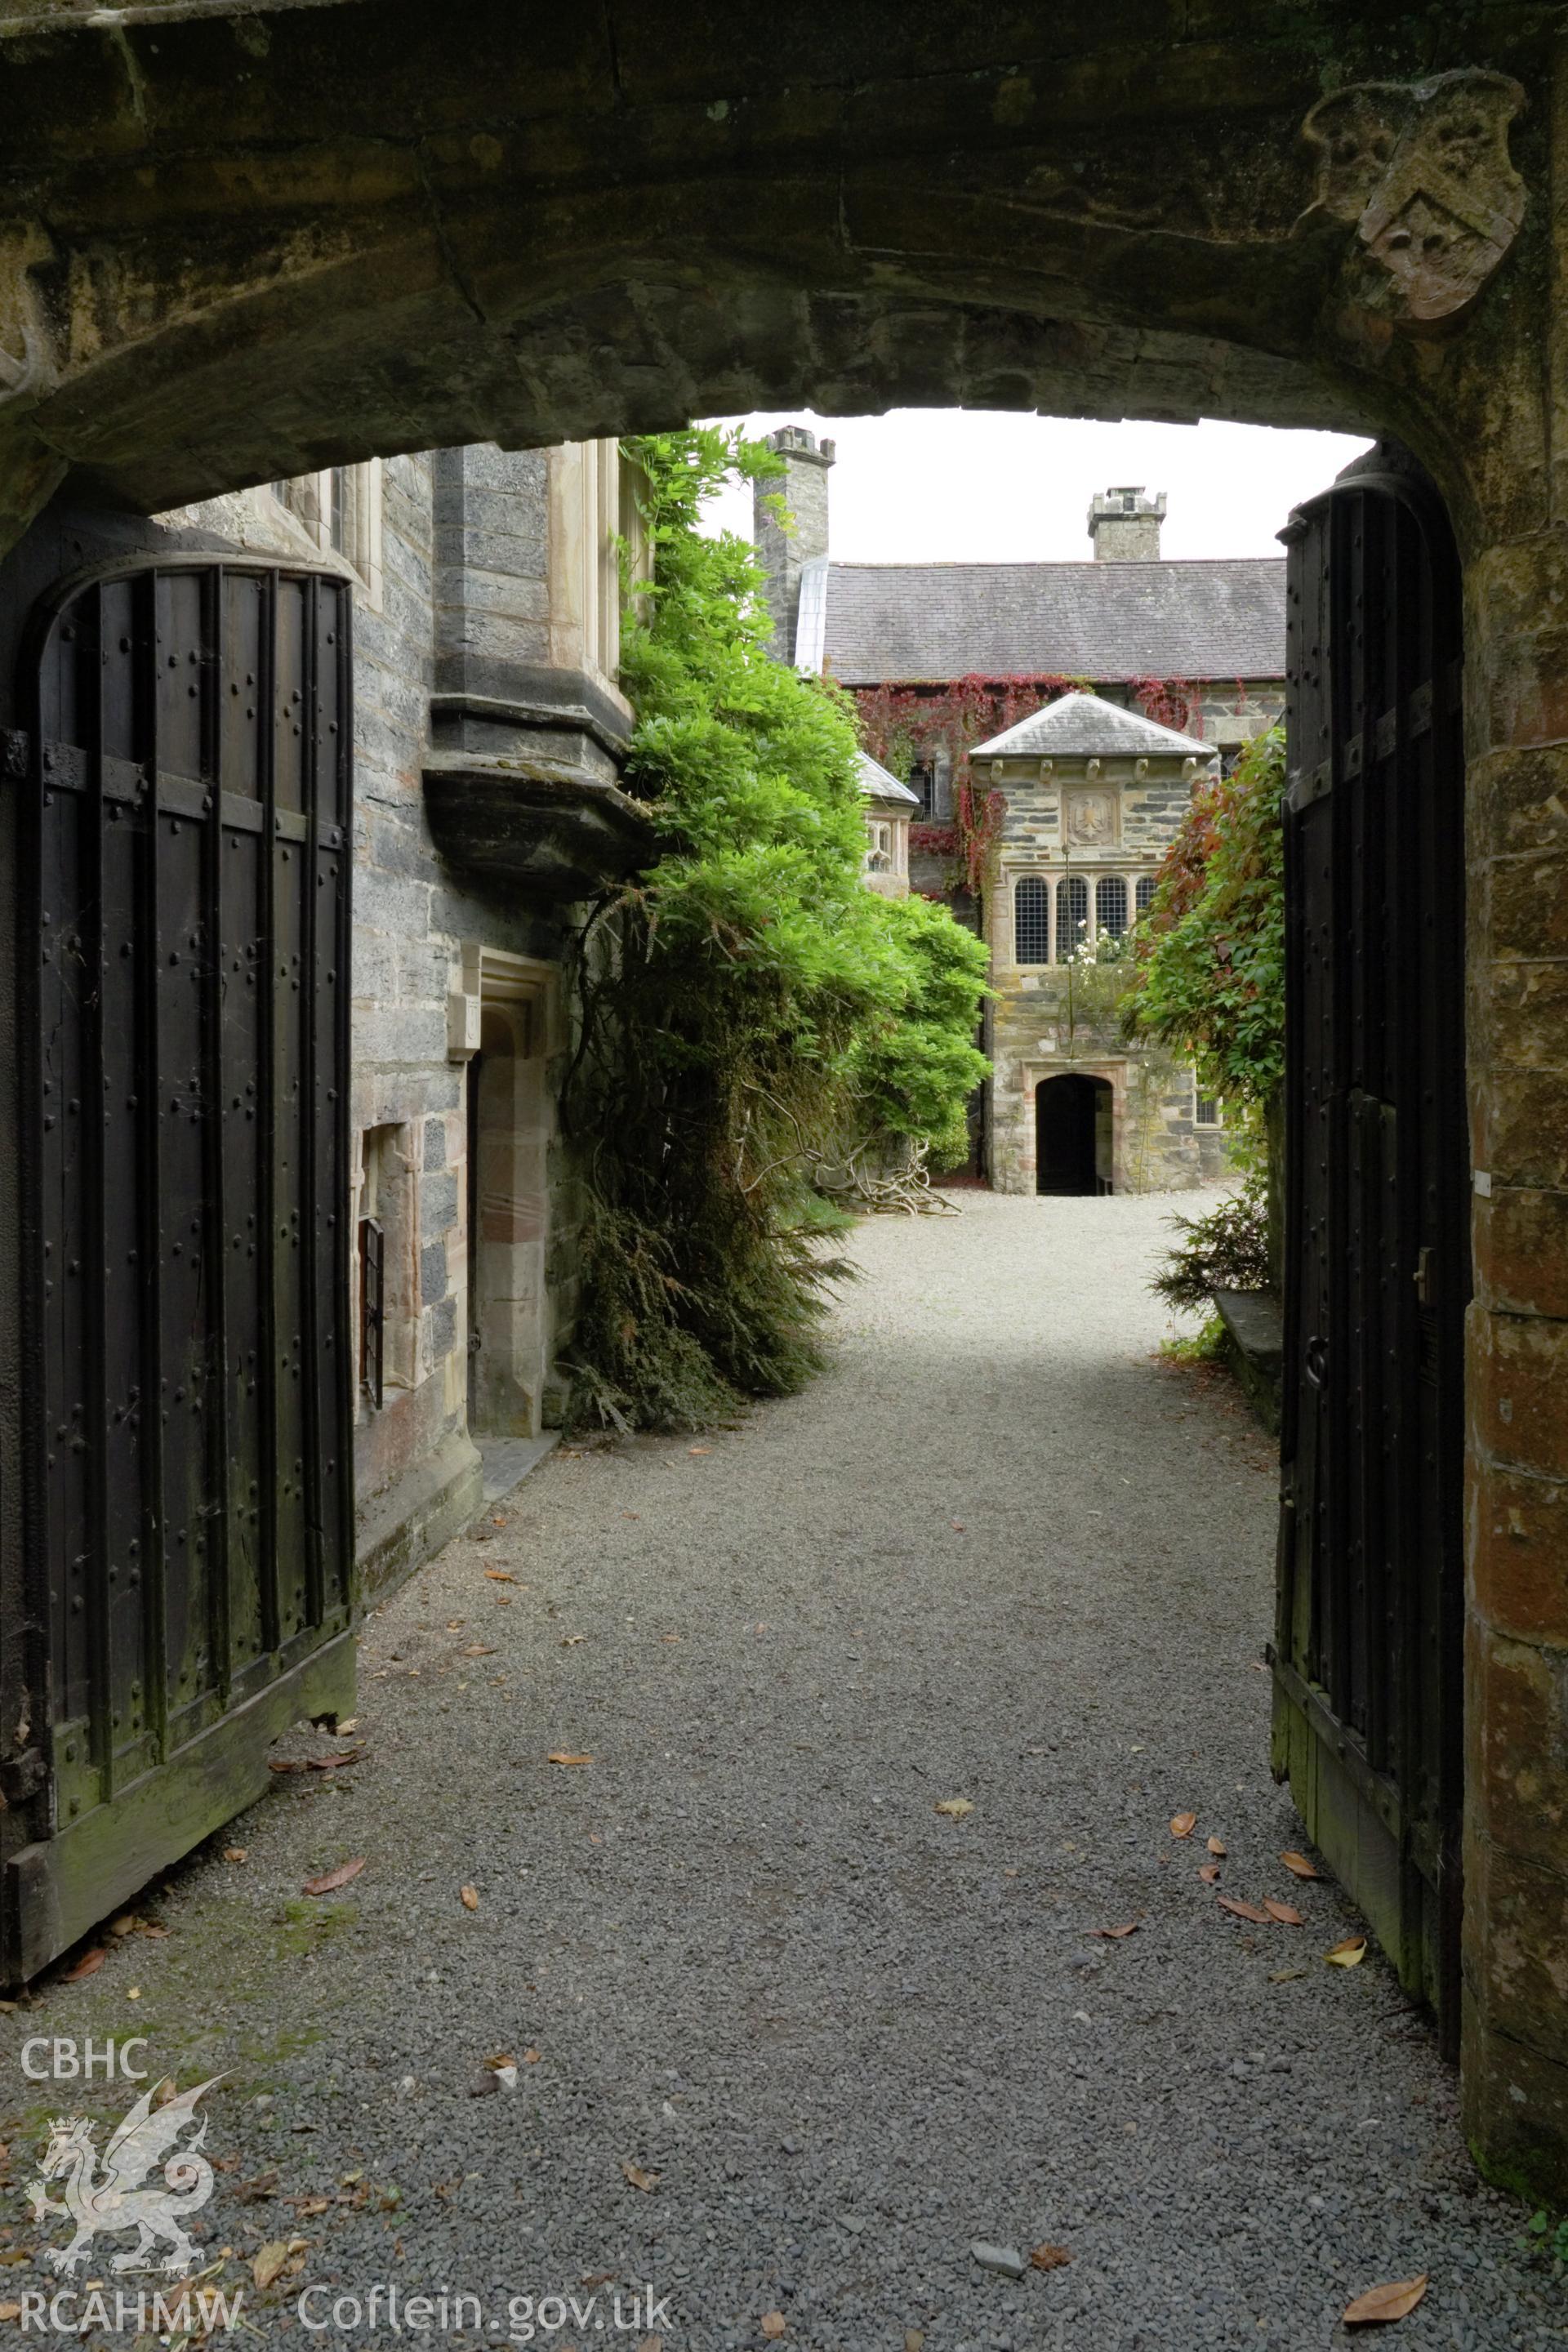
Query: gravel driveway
column 997, row 1554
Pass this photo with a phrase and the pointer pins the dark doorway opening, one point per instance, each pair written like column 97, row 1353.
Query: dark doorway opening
column 1072, row 1135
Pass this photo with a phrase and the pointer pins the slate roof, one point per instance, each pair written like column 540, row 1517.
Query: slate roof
column 879, row 783
column 1085, row 727
column 898, row 622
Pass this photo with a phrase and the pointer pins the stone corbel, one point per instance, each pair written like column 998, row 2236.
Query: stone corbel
column 465, row 1013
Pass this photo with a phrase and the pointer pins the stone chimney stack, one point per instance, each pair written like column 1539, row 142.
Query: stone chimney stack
column 1124, row 525
column 803, row 489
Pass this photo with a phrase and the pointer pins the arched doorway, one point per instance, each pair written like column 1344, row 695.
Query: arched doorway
column 1073, row 1134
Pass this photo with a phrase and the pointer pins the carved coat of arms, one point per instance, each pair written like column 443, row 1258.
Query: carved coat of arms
column 1422, row 171
column 1091, row 820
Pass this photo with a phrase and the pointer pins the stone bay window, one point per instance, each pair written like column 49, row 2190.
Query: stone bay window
column 1092, row 794
column 889, row 806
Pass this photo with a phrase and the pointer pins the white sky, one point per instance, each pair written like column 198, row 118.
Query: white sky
column 924, row 485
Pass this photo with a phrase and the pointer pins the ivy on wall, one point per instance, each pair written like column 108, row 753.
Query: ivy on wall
column 1208, row 958
column 902, row 725
column 1209, row 979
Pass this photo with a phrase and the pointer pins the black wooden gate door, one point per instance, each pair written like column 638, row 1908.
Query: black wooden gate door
column 183, row 1002
column 1367, row 1650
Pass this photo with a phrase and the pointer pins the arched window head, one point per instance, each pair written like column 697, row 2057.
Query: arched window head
column 1031, row 920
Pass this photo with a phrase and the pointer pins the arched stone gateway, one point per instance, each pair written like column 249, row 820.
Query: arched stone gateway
column 240, row 244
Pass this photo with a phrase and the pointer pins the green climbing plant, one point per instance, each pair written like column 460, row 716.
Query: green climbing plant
column 747, row 1002
column 1208, row 958
column 1208, row 981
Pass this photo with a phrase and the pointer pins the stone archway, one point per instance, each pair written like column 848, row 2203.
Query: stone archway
column 243, row 244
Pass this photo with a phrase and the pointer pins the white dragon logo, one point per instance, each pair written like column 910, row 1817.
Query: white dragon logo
column 114, row 2199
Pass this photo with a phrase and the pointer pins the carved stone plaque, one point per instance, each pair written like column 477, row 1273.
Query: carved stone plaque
column 1091, row 819
column 1422, row 170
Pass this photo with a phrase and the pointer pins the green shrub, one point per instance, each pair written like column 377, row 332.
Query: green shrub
column 748, row 1000
column 1226, row 1250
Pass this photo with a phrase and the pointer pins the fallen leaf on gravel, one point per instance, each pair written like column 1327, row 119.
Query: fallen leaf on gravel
column 532, row 2057
column 1209, row 1872
column 10, row 2311
column 958, row 1527
column 145, row 1927
column 334, row 1763
column 87, row 1966
column 285, row 1764
column 560, row 1755
column 914, row 2339
column 1300, row 1866
column 123, row 1925
column 1114, row 1935
column 1183, row 1824
column 670, row 1637
column 699, row 1449
column 1215, row 1846
column 638, row 2178
column 1287, row 1976
column 267, row 2264
column 651, row 2344
column 774, row 2325
column 1346, row 1955
column 1386, row 2302
column 1244, row 1910
column 478, row 1650
column 310, row 2204
column 597, row 2278
column 571, row 1641
column 955, row 1808
column 235, row 1853
column 350, row 1723
column 1283, row 1913
column 1048, row 2258
column 501, row 1576
column 330, row 1880
column 470, row 1898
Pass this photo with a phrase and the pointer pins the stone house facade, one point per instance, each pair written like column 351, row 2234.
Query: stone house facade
column 1184, row 662
column 1092, row 795
column 1195, row 644
column 488, row 737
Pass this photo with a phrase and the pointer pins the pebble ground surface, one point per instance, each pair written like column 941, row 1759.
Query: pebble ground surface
column 997, row 1553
